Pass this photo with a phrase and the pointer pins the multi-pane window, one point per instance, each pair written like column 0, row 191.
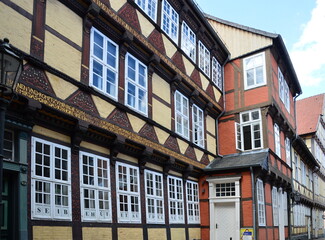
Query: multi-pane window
column 95, row 188
column 103, row 64
column 175, row 200
column 136, row 84
column 8, row 145
column 260, row 202
column 169, row 21
column 288, row 151
column 296, row 167
column 285, row 208
column 249, row 130
column 154, row 197
column 51, row 183
column 192, row 193
column 275, row 206
column 284, row 92
column 217, row 73
column 254, row 71
column 128, row 193
column 188, row 41
column 149, row 7
column 225, row 189
column 204, row 59
column 277, row 140
column 198, row 126
column 181, row 115
column 303, row 173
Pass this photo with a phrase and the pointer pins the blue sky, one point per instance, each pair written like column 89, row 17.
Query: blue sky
column 300, row 23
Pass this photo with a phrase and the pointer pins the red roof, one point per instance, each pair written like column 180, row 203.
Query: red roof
column 308, row 111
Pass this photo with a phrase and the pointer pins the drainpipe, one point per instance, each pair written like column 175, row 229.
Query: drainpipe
column 224, row 106
column 253, row 200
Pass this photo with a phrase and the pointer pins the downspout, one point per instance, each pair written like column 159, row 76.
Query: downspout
column 224, row 105
column 253, row 200
column 291, row 156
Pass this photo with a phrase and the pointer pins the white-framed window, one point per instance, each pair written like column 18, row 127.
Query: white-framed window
column 188, row 41
column 303, row 173
column 254, row 71
column 288, row 151
column 285, row 208
column 175, row 200
column 296, row 167
column 192, row 193
column 198, row 126
column 204, row 59
column 277, row 143
column 182, row 117
column 103, row 64
column 316, row 184
column 8, row 145
column 275, row 206
column 260, row 202
column 169, row 21
column 284, row 92
column 154, row 197
column 128, row 193
column 281, row 84
column 95, row 188
column 136, row 84
column 311, row 179
column 51, row 180
column 149, row 7
column 249, row 130
column 217, row 78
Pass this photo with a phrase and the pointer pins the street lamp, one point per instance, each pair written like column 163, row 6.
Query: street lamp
column 11, row 67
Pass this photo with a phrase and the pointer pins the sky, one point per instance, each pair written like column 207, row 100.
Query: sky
column 301, row 23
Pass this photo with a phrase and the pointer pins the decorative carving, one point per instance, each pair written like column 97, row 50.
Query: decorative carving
column 148, row 132
column 171, row 143
column 78, row 134
column 120, row 118
column 36, row 78
column 129, row 14
column 168, row 165
column 187, row 172
column 156, row 40
column 98, row 122
column 83, row 101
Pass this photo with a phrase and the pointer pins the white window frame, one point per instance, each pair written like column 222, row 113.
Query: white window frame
column 286, row 96
column 188, row 43
column 275, row 206
column 198, row 126
column 285, row 208
column 9, row 142
column 169, row 21
column 139, row 105
column 288, row 151
column 284, row 92
column 303, row 173
column 182, row 116
column 106, row 66
column 95, row 178
column 239, row 129
column 175, row 199
column 253, row 68
column 277, row 143
column 44, row 162
column 204, row 59
column 154, row 197
column 149, row 7
column 260, row 202
column 128, row 187
column 193, row 207
column 217, row 73
column 281, row 85
column 296, row 167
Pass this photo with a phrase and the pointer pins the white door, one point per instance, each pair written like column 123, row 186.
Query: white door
column 225, row 219
column 281, row 215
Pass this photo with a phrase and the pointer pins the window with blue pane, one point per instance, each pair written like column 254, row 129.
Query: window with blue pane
column 103, row 64
column 149, row 7
column 136, row 82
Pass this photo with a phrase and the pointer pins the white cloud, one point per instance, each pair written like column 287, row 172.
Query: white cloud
column 308, row 53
